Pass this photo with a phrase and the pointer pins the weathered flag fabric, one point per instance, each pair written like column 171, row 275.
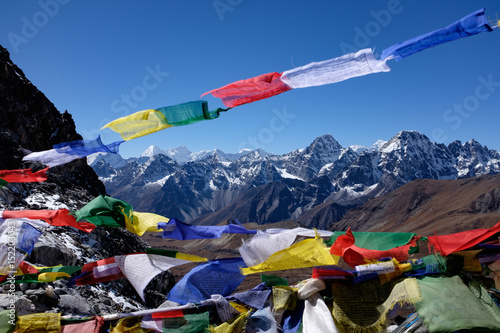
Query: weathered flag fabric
column 221, row 276
column 23, row 175
column 446, row 244
column 469, row 25
column 334, row 70
column 250, row 90
column 139, row 269
column 82, row 148
column 153, row 120
column 69, row 151
column 60, row 217
column 179, row 230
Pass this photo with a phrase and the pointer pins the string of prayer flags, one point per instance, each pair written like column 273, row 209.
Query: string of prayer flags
column 48, row 274
column 179, row 230
column 306, row 253
column 250, row 90
column 69, row 151
column 334, row 70
column 469, row 25
column 23, row 176
column 140, row 268
column 153, row 120
column 221, row 276
column 111, row 212
column 60, row 217
column 446, row 244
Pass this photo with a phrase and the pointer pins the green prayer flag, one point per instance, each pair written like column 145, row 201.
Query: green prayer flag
column 381, row 241
column 188, row 113
column 105, row 211
column 7, row 321
column 448, row 305
column 189, row 323
column 162, row 252
column 273, row 280
column 3, row 182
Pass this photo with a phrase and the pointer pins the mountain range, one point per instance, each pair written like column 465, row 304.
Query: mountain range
column 315, row 186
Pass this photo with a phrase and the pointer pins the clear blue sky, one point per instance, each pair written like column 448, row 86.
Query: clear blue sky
column 101, row 60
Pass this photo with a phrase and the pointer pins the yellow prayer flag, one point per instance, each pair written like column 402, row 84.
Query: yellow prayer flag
column 236, row 325
column 307, row 253
column 39, row 322
column 142, row 222
column 51, row 276
column 139, row 124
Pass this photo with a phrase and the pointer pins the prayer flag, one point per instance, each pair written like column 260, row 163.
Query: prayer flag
column 142, row 222
column 60, row 217
column 469, row 25
column 69, row 151
column 446, row 244
column 139, row 269
column 39, row 322
column 264, row 244
column 94, row 325
column 3, row 182
column 103, row 270
column 448, row 305
column 178, row 230
column 334, row 70
column 153, row 120
column 23, row 175
column 250, row 90
column 375, row 240
column 306, row 253
column 354, row 255
column 105, row 211
column 221, row 276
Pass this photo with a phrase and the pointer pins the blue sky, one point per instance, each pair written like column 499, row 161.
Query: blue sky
column 101, row 60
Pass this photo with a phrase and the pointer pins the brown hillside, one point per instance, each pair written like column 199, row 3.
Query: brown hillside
column 428, row 207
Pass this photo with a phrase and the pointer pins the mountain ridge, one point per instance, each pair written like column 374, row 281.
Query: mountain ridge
column 294, row 182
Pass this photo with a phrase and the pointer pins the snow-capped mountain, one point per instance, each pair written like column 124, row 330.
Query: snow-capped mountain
column 262, row 187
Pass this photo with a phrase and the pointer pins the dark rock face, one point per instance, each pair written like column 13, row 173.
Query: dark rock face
column 30, row 122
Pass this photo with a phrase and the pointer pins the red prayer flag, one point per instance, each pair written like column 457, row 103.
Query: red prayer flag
column 446, row 244
column 168, row 314
column 250, row 90
column 89, row 277
column 23, row 175
column 354, row 255
column 59, row 217
column 94, row 325
column 27, row 268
